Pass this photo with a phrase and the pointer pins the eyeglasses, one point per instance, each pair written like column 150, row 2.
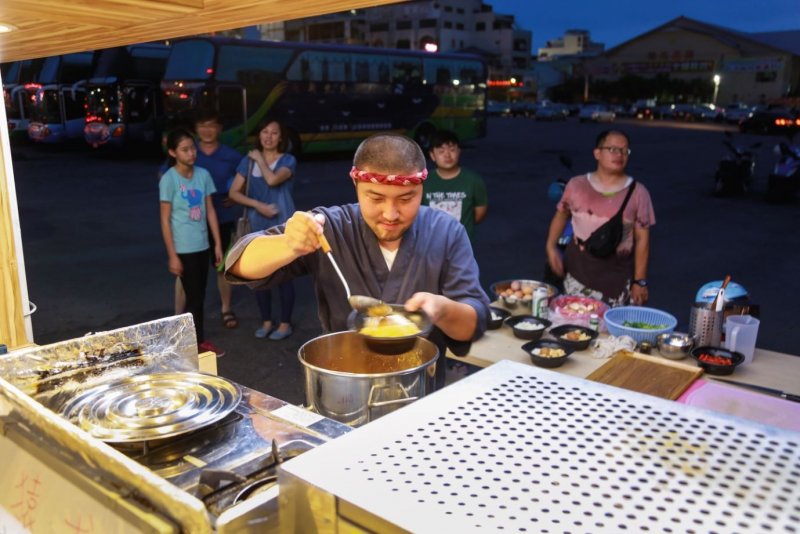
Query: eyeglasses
column 616, row 150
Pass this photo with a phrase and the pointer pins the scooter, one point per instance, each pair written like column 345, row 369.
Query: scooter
column 554, row 193
column 734, row 174
column 784, row 180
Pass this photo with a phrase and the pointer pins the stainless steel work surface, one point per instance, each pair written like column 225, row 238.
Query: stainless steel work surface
column 514, row 448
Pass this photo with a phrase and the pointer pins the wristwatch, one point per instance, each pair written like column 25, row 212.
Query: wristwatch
column 640, row 282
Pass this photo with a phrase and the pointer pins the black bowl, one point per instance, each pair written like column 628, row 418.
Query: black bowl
column 559, row 331
column 516, row 320
column 494, row 324
column 544, row 361
column 735, row 358
column 392, row 345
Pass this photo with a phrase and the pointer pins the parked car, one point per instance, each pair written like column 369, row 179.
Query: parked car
column 709, row 112
column 552, row 112
column 772, row 121
column 522, row 108
column 736, row 113
column 498, row 109
column 644, row 109
column 663, row 111
column 621, row 110
column 596, row 113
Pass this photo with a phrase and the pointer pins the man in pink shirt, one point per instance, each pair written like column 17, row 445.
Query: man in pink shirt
column 591, row 200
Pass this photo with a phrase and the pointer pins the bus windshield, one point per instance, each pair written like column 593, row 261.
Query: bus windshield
column 46, row 107
column 102, row 103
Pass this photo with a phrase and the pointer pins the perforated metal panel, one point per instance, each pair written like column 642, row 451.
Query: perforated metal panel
column 517, row 449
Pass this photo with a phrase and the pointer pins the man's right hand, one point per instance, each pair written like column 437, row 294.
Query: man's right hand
column 302, row 232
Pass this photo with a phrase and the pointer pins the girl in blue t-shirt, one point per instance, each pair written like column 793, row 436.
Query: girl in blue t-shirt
column 187, row 214
column 268, row 201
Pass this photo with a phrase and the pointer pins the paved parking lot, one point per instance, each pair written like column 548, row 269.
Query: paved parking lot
column 95, row 260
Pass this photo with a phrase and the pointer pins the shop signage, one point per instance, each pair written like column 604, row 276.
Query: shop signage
column 752, row 64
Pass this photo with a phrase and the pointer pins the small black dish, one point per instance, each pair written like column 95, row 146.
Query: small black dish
column 547, row 361
column 559, row 331
column 392, row 346
column 501, row 314
column 735, row 358
column 515, row 322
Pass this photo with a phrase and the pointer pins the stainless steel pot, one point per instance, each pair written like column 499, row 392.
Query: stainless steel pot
column 352, row 384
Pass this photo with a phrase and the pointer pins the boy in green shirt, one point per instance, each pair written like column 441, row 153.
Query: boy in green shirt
column 452, row 188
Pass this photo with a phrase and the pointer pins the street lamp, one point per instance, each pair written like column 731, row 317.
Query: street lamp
column 717, row 79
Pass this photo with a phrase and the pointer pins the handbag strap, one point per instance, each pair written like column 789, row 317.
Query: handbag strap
column 247, row 184
column 627, row 198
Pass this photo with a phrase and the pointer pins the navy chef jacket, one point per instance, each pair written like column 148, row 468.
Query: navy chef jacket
column 435, row 256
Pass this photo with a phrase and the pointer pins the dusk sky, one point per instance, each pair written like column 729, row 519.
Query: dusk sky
column 615, row 22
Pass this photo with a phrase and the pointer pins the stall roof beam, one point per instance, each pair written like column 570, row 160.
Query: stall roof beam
column 50, row 27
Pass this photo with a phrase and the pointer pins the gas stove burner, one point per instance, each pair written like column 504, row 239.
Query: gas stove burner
column 155, row 406
column 167, row 456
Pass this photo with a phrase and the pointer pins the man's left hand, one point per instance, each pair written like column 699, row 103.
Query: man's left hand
column 433, row 305
column 456, row 319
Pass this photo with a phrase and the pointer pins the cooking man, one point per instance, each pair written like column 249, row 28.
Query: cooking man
column 387, row 247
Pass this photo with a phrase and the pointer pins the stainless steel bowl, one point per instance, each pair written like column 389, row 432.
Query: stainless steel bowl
column 512, row 302
column 675, row 345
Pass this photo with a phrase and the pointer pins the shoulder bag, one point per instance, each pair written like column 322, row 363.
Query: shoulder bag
column 604, row 241
column 243, row 222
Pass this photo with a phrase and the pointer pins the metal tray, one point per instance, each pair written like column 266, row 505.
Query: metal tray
column 152, row 406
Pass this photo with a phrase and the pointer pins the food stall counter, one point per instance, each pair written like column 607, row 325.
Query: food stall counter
column 769, row 368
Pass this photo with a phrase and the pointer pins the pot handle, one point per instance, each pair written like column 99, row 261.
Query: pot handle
column 377, row 388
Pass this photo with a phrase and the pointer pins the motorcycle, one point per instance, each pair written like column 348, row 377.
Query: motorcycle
column 734, row 174
column 784, row 180
column 554, row 193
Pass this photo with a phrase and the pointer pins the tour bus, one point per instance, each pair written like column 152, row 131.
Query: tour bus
column 15, row 76
column 329, row 97
column 57, row 99
column 123, row 96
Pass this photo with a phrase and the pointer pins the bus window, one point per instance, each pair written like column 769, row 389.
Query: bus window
column 442, row 75
column 191, row 60
column 231, row 106
column 314, row 66
column 361, row 71
column 467, row 72
column 383, row 71
column 240, row 64
column 401, row 71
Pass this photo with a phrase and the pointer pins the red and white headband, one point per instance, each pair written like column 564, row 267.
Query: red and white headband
column 390, row 179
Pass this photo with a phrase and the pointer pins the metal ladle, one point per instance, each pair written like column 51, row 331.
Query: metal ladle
column 369, row 306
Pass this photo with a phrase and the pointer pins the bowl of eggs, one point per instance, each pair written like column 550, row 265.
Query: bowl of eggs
column 519, row 293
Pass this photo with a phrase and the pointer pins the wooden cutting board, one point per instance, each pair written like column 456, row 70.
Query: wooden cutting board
column 646, row 374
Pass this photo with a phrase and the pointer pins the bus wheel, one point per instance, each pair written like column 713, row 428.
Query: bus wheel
column 295, row 144
column 423, row 136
